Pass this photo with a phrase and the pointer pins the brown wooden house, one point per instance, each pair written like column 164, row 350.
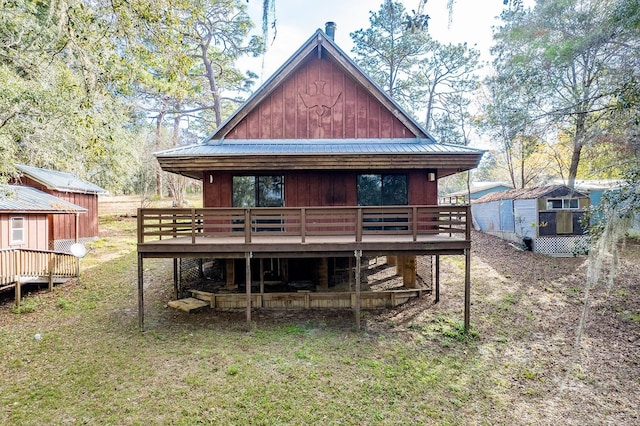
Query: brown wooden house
column 65, row 229
column 317, row 169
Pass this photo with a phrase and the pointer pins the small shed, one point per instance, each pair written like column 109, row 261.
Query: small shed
column 66, row 229
column 25, row 217
column 549, row 215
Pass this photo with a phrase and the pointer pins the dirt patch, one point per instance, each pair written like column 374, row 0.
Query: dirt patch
column 526, row 309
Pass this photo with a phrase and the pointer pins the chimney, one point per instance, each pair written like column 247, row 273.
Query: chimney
column 330, row 30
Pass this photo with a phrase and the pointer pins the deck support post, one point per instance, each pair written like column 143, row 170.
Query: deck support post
column 247, row 257
column 261, row 282
column 323, row 273
column 230, row 274
column 358, row 255
column 17, row 296
column 175, row 279
column 18, row 275
column 437, row 278
column 140, row 293
column 409, row 271
column 467, row 289
column 400, row 266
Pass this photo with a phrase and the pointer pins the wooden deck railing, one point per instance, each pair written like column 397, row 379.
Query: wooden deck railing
column 17, row 265
column 303, row 222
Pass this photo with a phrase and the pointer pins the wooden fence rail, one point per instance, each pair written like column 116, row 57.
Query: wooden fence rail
column 302, row 222
column 19, row 266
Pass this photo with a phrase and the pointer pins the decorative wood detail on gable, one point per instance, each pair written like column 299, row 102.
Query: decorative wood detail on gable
column 320, row 102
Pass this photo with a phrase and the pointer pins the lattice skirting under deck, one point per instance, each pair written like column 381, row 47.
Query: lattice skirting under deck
column 64, row 245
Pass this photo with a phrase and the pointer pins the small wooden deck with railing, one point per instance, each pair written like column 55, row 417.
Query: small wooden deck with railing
column 23, row 266
column 294, row 231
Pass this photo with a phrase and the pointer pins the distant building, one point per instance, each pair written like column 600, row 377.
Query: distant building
column 26, row 215
column 596, row 190
column 550, row 216
column 66, row 229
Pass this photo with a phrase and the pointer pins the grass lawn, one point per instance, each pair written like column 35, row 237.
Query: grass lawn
column 408, row 366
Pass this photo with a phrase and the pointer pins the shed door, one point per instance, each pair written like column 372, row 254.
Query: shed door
column 564, row 222
column 507, row 220
column 547, row 224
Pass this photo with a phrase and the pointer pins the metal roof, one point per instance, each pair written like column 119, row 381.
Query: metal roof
column 16, row 198
column 531, row 193
column 479, row 187
column 60, row 181
column 268, row 147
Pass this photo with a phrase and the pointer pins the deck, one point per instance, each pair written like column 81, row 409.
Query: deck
column 29, row 266
column 301, row 232
column 305, row 232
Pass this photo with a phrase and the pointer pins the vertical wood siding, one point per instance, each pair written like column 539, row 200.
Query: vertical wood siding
column 36, row 231
column 319, row 101
column 64, row 225
column 319, row 188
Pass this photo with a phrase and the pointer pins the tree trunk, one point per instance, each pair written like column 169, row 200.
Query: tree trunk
column 578, row 144
column 429, row 114
column 213, row 86
column 177, row 184
column 159, row 180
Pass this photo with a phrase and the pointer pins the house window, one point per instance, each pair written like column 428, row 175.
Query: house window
column 382, row 190
column 562, row 204
column 17, row 230
column 258, row 191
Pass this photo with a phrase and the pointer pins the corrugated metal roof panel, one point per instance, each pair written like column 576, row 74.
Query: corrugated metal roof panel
column 318, row 146
column 531, row 193
column 60, row 181
column 24, row 199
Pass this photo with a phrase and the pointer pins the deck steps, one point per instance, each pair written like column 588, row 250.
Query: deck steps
column 190, row 304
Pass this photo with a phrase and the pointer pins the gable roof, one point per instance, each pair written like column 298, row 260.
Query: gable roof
column 321, row 45
column 59, row 181
column 24, row 199
column 532, row 193
column 232, row 147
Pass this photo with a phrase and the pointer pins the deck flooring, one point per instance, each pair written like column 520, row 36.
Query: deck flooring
column 291, row 245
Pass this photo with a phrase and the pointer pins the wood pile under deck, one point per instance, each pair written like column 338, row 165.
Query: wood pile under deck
column 309, row 300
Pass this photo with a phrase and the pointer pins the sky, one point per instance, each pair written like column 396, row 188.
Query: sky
column 297, row 20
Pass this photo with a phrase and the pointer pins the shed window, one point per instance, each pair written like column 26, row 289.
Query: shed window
column 258, row 191
column 382, row 190
column 17, row 230
column 562, row 204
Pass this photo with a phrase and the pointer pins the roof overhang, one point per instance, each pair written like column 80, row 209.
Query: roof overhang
column 285, row 155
